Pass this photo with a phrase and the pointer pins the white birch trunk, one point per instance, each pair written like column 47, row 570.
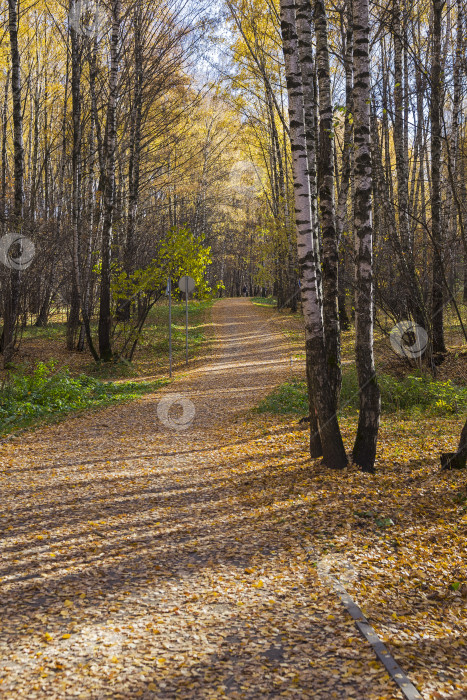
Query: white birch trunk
column 333, row 449
column 364, row 451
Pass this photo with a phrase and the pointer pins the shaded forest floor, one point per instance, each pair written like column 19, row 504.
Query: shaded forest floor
column 141, row 560
column 47, row 382
column 152, row 354
column 454, row 366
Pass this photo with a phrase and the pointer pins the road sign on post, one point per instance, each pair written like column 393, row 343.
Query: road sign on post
column 186, row 284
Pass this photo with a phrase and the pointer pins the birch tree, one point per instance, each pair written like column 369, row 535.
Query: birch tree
column 333, row 449
column 364, row 451
column 327, row 204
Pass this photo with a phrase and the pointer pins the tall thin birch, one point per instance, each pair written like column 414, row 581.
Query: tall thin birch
column 327, row 203
column 364, row 451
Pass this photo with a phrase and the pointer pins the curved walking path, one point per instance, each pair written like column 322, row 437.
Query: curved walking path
column 141, row 560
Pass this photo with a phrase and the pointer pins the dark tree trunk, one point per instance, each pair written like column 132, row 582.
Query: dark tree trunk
column 73, row 318
column 307, row 68
column 13, row 292
column 436, row 232
column 457, row 460
column 344, row 187
column 108, row 182
column 134, row 160
column 364, row 451
column 329, row 234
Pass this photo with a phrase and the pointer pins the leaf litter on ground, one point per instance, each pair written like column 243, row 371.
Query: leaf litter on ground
column 140, row 561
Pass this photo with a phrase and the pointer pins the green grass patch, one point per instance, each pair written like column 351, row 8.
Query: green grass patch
column 414, row 394
column 47, row 394
column 264, row 301
column 52, row 331
column 289, row 398
column 155, row 337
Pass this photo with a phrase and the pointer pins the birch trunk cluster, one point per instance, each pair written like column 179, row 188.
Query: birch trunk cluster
column 320, row 307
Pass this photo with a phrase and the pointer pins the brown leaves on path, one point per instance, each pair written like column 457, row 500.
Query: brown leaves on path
column 143, row 560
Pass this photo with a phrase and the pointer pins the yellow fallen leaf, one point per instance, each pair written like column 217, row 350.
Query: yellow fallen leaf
column 66, row 636
column 152, row 686
column 68, row 604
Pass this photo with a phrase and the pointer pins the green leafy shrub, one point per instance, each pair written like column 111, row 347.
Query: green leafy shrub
column 290, row 397
column 46, row 392
column 413, row 394
column 264, row 301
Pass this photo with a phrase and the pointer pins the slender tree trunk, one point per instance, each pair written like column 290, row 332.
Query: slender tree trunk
column 135, row 154
column 457, row 460
column 343, row 195
column 331, row 440
column 73, row 318
column 436, row 232
column 364, row 451
column 308, row 73
column 413, row 302
column 456, row 157
column 327, row 205
column 13, row 294
column 307, row 69
column 4, row 154
column 399, row 145
column 108, row 182
column 462, row 449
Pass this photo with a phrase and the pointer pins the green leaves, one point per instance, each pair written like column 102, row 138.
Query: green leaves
column 47, row 392
column 412, row 394
column 180, row 253
column 384, row 523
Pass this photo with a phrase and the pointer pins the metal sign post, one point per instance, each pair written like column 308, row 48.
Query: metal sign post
column 186, row 284
column 186, row 319
column 169, row 287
